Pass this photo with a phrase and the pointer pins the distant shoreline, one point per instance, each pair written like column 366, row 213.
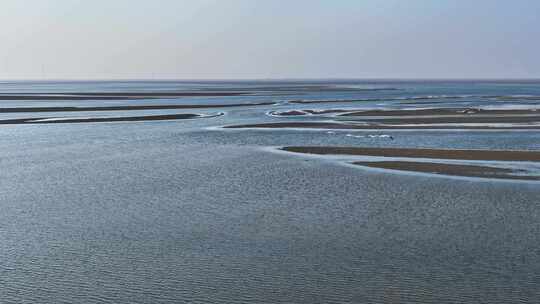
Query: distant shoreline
column 128, row 108
column 281, row 80
column 112, row 95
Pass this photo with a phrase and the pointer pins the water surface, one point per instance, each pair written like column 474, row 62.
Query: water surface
column 183, row 211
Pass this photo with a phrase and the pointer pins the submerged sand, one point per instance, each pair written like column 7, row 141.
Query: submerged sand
column 449, row 169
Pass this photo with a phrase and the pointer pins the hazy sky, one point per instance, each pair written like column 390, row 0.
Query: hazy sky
column 269, row 39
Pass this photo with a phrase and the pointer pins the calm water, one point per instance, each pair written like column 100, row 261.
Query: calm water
column 185, row 212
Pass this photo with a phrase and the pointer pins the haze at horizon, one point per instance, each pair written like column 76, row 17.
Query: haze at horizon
column 241, row 39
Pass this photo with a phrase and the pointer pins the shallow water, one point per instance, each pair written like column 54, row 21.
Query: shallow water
column 183, row 211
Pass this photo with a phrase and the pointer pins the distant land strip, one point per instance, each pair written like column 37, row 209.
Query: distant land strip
column 64, row 120
column 127, row 108
column 113, row 95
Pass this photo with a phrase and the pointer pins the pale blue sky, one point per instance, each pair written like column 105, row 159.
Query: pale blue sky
column 218, row 39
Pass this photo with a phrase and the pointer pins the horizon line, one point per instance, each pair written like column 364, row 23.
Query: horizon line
column 273, row 79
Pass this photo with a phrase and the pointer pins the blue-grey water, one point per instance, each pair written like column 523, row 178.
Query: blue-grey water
column 182, row 211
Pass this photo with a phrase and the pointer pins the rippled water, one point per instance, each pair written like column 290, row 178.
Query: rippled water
column 182, row 211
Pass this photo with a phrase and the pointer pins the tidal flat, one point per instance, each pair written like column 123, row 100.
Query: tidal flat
column 270, row 192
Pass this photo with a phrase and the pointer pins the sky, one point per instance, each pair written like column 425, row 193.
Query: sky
column 269, row 39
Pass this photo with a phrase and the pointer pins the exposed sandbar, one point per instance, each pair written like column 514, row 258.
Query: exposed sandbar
column 403, row 100
column 302, row 101
column 518, row 119
column 442, row 111
column 494, row 155
column 60, row 120
column 289, row 113
column 418, row 100
column 373, row 126
column 280, row 125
